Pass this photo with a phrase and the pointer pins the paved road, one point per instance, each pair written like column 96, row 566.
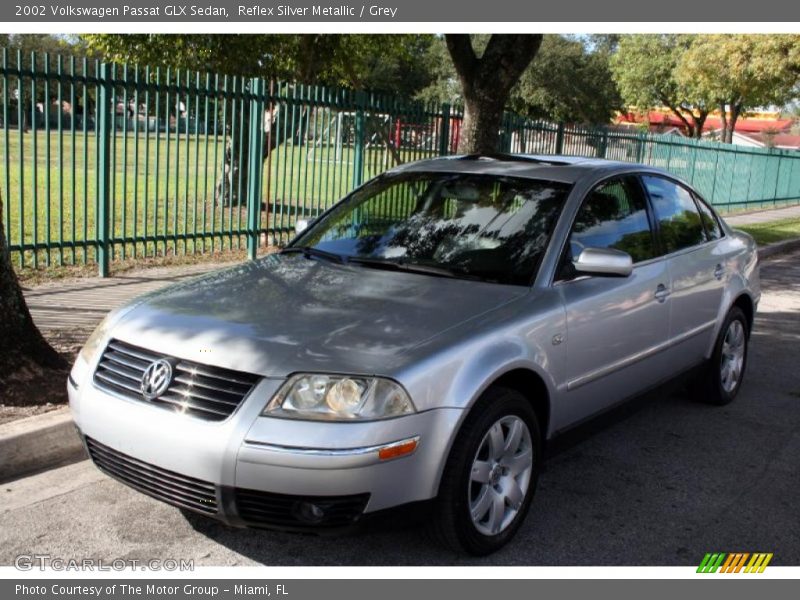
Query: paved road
column 659, row 483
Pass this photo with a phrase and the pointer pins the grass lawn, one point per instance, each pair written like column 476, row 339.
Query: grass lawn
column 773, row 231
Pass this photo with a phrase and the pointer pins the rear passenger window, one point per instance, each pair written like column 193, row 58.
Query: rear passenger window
column 614, row 215
column 710, row 221
column 678, row 219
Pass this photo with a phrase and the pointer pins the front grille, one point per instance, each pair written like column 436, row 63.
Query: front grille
column 210, row 393
column 167, row 486
column 281, row 510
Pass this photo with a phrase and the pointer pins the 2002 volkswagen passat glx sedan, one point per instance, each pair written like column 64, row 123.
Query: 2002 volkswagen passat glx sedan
column 421, row 340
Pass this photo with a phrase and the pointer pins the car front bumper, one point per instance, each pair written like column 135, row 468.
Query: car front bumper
column 251, row 470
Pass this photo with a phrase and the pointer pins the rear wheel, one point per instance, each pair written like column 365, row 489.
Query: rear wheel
column 490, row 476
column 721, row 378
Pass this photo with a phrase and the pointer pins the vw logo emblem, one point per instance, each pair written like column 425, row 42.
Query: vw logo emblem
column 156, row 379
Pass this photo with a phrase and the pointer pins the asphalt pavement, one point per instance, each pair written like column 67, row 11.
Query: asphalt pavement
column 661, row 481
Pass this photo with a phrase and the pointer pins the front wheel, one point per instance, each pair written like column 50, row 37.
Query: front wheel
column 722, row 377
column 490, row 476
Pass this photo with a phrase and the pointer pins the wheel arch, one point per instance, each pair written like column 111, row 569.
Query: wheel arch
column 745, row 302
column 522, row 378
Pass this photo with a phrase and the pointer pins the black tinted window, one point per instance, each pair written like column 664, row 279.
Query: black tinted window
column 678, row 220
column 713, row 230
column 614, row 215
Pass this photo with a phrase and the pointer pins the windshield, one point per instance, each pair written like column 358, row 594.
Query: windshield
column 464, row 225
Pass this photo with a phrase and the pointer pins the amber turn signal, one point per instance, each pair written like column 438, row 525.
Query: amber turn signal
column 398, row 449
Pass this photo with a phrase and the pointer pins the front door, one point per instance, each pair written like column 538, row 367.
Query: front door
column 616, row 326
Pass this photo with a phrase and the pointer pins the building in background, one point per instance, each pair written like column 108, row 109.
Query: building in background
column 763, row 129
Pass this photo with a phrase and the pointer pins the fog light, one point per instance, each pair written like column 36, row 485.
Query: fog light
column 309, row 512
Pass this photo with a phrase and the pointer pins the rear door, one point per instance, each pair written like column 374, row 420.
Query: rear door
column 697, row 267
column 615, row 325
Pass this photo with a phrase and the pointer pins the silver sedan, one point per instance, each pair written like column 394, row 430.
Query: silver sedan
column 419, row 342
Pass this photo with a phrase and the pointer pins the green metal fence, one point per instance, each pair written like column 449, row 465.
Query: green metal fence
column 105, row 162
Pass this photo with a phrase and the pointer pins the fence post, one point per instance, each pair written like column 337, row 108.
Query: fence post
column 444, row 131
column 641, row 139
column 603, row 144
column 694, row 162
column 360, row 134
column 560, row 139
column 505, row 137
column 777, row 180
column 104, row 115
column 255, row 156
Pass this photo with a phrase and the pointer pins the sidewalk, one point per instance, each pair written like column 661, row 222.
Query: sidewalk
column 763, row 216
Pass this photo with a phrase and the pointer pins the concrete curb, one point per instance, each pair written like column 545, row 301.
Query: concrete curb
column 778, row 248
column 38, row 443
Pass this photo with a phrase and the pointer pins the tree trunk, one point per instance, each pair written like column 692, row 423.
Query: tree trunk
column 690, row 128
column 736, row 111
column 20, row 340
column 232, row 184
column 723, row 132
column 699, row 123
column 486, row 83
column 483, row 117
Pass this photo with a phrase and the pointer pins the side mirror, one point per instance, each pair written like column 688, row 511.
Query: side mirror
column 300, row 226
column 604, row 261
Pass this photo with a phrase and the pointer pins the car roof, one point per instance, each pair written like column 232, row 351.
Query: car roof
column 565, row 169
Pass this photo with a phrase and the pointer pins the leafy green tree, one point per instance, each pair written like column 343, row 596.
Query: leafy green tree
column 392, row 63
column 647, row 71
column 443, row 86
column 568, row 81
column 741, row 72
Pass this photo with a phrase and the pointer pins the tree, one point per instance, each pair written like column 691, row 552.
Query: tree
column 390, row 63
column 568, row 81
column 647, row 68
column 740, row 72
column 486, row 83
column 20, row 341
column 443, row 86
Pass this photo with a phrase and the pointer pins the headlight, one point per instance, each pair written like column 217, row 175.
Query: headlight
column 92, row 345
column 339, row 397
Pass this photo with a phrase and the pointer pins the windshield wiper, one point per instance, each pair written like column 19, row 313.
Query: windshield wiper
column 310, row 251
column 391, row 265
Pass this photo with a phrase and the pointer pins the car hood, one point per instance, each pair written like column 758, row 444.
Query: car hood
column 288, row 313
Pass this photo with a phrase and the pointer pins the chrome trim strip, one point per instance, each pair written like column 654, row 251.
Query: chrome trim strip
column 634, row 358
column 329, row 451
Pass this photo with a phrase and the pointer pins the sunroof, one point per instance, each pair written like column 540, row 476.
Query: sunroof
column 506, row 157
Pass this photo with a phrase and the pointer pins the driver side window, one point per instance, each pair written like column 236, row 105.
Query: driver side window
column 613, row 215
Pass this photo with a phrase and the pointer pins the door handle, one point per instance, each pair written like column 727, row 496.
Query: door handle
column 662, row 292
column 719, row 271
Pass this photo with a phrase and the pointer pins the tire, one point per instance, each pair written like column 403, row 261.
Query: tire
column 502, row 489
column 721, row 378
